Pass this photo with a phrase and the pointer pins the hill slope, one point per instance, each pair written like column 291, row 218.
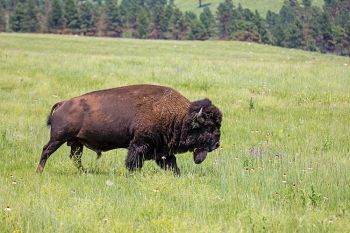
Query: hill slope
column 261, row 5
column 285, row 159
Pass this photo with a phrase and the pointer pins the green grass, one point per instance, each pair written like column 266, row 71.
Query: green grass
column 293, row 106
column 261, row 5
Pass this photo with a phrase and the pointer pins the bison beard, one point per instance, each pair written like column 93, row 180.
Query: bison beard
column 152, row 122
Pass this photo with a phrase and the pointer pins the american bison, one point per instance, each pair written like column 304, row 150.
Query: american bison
column 152, row 122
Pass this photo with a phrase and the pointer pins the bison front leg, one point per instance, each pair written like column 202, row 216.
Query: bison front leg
column 169, row 162
column 136, row 155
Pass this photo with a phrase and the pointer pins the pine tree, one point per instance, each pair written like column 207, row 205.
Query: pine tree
column 272, row 20
column 114, row 18
column 32, row 23
column 310, row 16
column 224, row 18
column 2, row 19
column 338, row 12
column 279, row 35
column 24, row 18
column 347, row 39
column 87, row 18
column 287, row 15
column 325, row 39
column 178, row 25
column 262, row 30
column 55, row 18
column 293, row 35
column 71, row 15
column 208, row 21
column 169, row 11
column 307, row 3
column 101, row 23
column 196, row 29
column 142, row 24
column 17, row 18
column 129, row 10
column 158, row 21
column 293, row 3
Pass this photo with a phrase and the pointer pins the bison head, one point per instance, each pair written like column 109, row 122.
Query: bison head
column 202, row 125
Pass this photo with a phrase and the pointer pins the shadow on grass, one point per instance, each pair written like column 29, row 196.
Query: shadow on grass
column 87, row 171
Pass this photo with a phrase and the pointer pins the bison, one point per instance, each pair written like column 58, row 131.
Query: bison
column 152, row 122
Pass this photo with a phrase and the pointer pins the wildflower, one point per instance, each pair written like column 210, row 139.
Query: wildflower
column 261, row 150
column 109, row 182
column 8, row 209
column 251, row 151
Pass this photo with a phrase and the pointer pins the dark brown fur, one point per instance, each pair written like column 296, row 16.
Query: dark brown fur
column 153, row 122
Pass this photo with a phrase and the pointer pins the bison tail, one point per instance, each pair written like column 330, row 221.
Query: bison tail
column 52, row 110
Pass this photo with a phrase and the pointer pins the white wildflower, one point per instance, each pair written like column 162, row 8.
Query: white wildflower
column 109, row 182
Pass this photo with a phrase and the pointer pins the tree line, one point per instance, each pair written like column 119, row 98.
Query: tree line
column 298, row 24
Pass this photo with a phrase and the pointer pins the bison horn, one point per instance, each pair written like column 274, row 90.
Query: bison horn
column 199, row 116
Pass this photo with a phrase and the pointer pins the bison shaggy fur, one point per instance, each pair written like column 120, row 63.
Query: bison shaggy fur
column 152, row 122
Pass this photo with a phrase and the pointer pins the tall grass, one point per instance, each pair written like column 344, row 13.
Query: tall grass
column 284, row 165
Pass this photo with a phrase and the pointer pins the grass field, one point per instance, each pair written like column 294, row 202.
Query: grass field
column 284, row 165
column 261, row 5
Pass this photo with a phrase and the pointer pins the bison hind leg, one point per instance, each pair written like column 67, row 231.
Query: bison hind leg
column 75, row 154
column 48, row 149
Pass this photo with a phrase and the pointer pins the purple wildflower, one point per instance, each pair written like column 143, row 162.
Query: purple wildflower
column 251, row 151
column 261, row 149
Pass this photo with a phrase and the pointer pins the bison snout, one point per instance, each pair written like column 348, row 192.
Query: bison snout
column 199, row 155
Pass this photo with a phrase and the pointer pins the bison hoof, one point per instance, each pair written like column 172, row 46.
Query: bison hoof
column 177, row 173
column 39, row 169
column 83, row 170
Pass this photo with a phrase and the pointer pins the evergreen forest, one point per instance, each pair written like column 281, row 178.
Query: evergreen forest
column 298, row 24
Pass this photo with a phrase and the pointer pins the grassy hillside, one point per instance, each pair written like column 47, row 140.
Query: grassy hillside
column 284, row 166
column 261, row 5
